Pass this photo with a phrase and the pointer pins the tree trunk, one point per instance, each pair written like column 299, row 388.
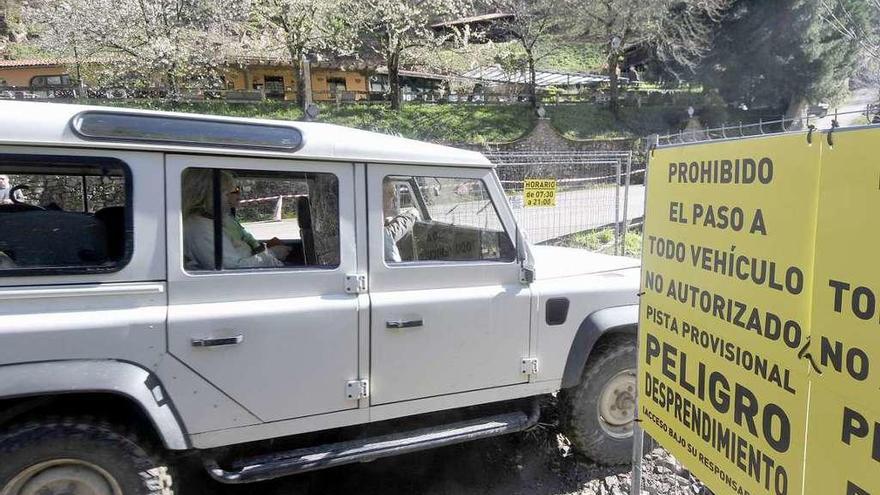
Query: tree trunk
column 299, row 77
column 172, row 91
column 794, row 114
column 533, row 91
column 394, row 78
column 612, row 82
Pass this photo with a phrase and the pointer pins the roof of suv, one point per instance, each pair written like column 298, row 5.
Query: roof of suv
column 29, row 123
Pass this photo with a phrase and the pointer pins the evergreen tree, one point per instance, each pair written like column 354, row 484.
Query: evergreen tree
column 781, row 55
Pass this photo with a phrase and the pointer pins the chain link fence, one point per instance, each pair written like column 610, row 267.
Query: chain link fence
column 587, row 199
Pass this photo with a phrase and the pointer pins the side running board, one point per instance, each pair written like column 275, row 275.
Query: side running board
column 279, row 464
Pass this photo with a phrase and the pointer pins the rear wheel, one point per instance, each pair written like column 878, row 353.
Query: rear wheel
column 598, row 413
column 76, row 456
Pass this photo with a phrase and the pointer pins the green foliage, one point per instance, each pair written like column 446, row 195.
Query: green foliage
column 581, row 57
column 780, row 54
column 602, row 241
column 445, row 123
column 26, row 50
column 587, row 121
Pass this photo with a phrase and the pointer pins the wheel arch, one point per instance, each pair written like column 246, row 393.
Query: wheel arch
column 601, row 324
column 33, row 385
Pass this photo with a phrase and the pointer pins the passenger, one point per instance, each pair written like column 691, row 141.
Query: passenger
column 240, row 248
column 5, row 188
column 397, row 223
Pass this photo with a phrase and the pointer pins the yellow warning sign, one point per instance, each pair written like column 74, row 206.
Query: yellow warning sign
column 760, row 319
column 843, row 440
column 726, row 277
column 539, row 192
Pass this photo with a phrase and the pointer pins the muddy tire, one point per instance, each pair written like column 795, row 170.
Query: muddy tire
column 80, row 456
column 596, row 414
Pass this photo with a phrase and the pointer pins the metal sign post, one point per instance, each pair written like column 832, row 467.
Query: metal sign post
column 638, row 433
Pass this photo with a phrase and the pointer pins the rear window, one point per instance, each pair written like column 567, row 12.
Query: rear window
column 63, row 215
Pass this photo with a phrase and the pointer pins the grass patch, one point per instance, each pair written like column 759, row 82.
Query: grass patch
column 602, row 241
column 457, row 123
column 590, row 121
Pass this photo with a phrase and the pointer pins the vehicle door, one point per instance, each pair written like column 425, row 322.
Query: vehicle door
column 257, row 292
column 449, row 313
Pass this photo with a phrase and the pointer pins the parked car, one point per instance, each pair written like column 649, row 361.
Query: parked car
column 146, row 321
column 18, row 95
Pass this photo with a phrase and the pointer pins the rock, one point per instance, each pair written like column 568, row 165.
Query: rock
column 611, row 481
column 668, row 463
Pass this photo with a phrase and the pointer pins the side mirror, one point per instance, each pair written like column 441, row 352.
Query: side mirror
column 526, row 271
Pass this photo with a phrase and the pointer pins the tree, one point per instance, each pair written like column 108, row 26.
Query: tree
column 779, row 55
column 531, row 24
column 677, row 30
column 390, row 28
column 175, row 42
column 857, row 21
column 301, row 28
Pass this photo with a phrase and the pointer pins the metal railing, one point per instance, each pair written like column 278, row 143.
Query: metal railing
column 805, row 123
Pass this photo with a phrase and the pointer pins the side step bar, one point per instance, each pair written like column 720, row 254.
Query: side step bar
column 280, row 464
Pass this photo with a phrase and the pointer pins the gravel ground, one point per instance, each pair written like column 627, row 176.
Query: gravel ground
column 538, row 462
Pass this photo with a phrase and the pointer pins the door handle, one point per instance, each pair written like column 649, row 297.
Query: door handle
column 218, row 342
column 403, row 323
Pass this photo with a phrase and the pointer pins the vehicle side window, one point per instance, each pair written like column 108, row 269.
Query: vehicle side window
column 62, row 215
column 269, row 219
column 442, row 219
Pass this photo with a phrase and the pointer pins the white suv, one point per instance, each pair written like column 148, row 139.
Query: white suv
column 278, row 297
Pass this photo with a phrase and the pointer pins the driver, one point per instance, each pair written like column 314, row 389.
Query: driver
column 240, row 249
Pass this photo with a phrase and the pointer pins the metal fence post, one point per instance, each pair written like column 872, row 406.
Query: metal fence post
column 626, row 183
column 617, row 207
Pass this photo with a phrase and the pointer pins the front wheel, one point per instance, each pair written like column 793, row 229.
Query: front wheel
column 597, row 414
column 73, row 456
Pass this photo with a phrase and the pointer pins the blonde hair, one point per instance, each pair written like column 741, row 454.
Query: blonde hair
column 198, row 190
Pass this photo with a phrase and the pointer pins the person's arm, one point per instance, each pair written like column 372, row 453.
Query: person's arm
column 400, row 225
column 199, row 242
column 233, row 259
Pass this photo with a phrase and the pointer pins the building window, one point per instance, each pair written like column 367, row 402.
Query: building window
column 61, row 80
column 336, row 84
column 64, row 215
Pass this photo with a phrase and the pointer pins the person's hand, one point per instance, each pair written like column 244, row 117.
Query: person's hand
column 274, row 242
column 279, row 251
column 412, row 212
